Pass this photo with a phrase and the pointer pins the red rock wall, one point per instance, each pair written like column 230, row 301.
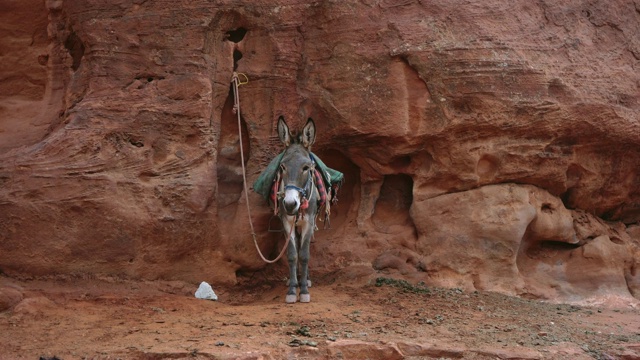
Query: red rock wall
column 488, row 146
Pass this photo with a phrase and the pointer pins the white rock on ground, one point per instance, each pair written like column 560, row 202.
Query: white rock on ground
column 205, row 291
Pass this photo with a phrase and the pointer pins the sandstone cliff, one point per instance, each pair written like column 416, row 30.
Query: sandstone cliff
column 491, row 145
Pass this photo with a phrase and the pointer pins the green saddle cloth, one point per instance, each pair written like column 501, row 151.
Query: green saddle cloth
column 264, row 182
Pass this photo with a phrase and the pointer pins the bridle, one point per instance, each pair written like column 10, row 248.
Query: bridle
column 305, row 193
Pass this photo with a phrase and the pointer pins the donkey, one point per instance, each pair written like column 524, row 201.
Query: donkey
column 297, row 203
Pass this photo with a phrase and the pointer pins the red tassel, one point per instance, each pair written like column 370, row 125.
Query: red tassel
column 274, row 194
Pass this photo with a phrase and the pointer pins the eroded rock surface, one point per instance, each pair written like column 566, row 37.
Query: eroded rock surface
column 493, row 147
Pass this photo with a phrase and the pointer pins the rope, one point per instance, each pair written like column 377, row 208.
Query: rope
column 236, row 107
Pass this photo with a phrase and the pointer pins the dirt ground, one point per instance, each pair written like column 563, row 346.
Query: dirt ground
column 381, row 318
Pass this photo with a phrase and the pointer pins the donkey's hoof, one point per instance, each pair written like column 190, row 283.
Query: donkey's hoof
column 305, row 298
column 290, row 299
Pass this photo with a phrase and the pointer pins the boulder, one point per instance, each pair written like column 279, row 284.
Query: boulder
column 10, row 296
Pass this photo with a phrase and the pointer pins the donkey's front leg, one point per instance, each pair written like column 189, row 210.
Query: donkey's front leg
column 305, row 239
column 292, row 256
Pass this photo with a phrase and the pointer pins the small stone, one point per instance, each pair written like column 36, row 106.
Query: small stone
column 205, row 291
column 295, row 342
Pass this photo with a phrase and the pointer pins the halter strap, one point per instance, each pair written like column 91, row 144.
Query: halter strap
column 300, row 190
column 306, row 191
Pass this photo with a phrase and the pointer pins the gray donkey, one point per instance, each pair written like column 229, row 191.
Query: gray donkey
column 297, row 203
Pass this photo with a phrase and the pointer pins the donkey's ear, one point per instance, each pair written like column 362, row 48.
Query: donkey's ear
column 309, row 133
column 283, row 131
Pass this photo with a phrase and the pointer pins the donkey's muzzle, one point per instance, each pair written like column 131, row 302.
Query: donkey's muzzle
column 291, row 207
column 291, row 201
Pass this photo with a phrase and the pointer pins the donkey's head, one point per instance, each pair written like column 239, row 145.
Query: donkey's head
column 296, row 166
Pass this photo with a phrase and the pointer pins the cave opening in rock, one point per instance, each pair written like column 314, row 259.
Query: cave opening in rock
column 550, row 249
column 237, row 55
column 76, row 49
column 229, row 166
column 236, row 35
column 391, row 211
column 567, row 198
column 557, row 245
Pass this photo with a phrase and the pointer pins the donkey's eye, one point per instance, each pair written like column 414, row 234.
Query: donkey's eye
column 282, row 168
column 305, row 168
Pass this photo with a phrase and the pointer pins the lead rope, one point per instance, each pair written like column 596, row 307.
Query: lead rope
column 236, row 108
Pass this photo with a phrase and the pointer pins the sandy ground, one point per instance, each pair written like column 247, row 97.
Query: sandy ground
column 109, row 318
